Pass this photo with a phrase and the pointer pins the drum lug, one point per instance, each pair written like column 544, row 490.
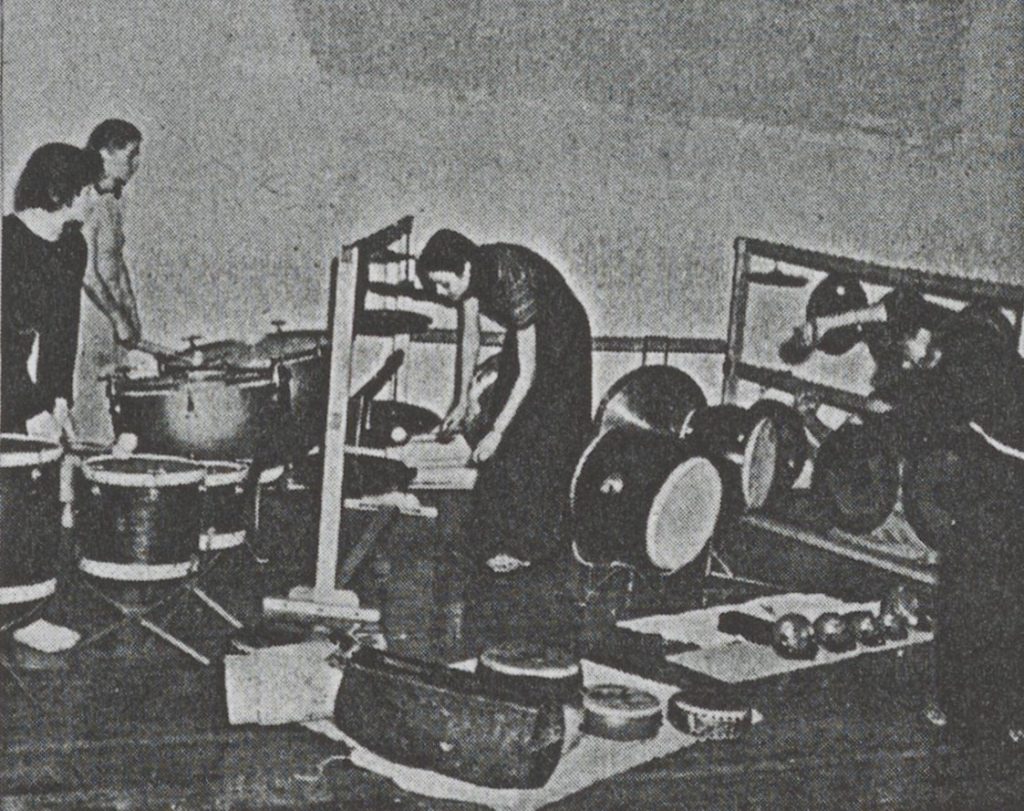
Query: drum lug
column 37, row 474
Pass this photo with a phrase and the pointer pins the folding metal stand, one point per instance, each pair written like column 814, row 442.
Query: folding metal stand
column 140, row 574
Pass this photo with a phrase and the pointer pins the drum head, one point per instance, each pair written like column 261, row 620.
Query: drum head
column 19, row 450
column 143, row 470
column 792, row 446
column 684, row 514
column 291, row 344
column 655, row 398
column 759, row 463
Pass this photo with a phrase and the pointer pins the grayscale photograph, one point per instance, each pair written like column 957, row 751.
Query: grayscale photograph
column 512, row 404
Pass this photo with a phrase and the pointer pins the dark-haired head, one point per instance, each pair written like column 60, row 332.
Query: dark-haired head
column 446, row 254
column 114, row 133
column 55, row 175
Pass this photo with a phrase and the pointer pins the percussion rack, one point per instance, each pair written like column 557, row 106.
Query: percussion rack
column 327, row 599
column 870, row 548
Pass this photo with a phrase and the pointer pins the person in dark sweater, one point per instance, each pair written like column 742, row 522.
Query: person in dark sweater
column 44, row 261
column 542, row 393
column 961, row 386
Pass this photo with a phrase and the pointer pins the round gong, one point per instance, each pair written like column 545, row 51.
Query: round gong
column 30, row 513
column 655, row 398
column 645, row 500
column 857, row 477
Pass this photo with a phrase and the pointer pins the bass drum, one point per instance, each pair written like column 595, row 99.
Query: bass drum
column 745, row 443
column 30, row 512
column 929, row 477
column 644, row 500
column 656, row 398
column 306, row 356
column 857, row 476
column 203, row 414
column 140, row 518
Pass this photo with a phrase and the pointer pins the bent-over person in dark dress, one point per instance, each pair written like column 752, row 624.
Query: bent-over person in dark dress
column 542, row 395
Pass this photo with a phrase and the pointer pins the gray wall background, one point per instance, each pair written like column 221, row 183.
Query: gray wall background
column 629, row 141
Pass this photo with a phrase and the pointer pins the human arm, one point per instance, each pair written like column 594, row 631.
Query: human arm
column 468, row 351
column 107, row 282
column 527, row 356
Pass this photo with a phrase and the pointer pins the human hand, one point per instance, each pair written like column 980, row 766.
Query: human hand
column 44, row 426
column 453, row 422
column 807, row 403
column 486, row 447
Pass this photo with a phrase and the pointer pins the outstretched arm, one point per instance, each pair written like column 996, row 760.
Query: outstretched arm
column 527, row 356
column 107, row 282
column 465, row 364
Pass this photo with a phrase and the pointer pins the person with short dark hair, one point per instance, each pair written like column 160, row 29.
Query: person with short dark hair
column 542, row 392
column 111, row 325
column 960, row 386
column 44, row 259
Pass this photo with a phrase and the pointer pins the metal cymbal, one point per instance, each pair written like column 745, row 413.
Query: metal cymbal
column 655, row 398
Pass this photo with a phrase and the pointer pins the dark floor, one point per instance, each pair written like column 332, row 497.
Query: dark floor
column 129, row 722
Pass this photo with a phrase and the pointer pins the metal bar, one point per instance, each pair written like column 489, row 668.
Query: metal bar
column 216, row 607
column 378, row 524
column 790, row 383
column 1010, row 295
column 737, row 319
column 170, row 639
column 600, row 343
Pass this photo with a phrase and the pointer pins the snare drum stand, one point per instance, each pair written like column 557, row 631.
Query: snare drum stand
column 139, row 574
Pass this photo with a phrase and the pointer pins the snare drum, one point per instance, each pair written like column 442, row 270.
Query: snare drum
column 29, row 524
column 223, row 506
column 205, row 413
column 644, row 500
column 140, row 517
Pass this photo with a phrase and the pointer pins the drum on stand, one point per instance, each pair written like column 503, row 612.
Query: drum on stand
column 30, row 515
column 792, row 445
column 205, row 413
column 656, row 398
column 857, row 476
column 225, row 505
column 306, row 356
column 140, row 517
column 746, row 446
column 646, row 501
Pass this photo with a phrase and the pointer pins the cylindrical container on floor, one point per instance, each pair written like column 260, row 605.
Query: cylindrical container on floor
column 709, row 713
column 30, row 523
column 532, row 669
column 224, row 506
column 140, row 518
column 746, row 442
column 644, row 500
column 620, row 713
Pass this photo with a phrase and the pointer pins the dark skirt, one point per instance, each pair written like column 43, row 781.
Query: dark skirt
column 980, row 602
column 521, row 495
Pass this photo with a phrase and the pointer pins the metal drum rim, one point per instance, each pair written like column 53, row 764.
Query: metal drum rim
column 751, row 500
column 27, row 592
column 131, row 479
column 579, row 469
column 661, row 499
column 234, row 475
column 46, row 456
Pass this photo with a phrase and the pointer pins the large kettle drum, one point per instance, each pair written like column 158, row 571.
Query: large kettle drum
column 30, row 513
column 305, row 355
column 644, row 500
column 201, row 413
